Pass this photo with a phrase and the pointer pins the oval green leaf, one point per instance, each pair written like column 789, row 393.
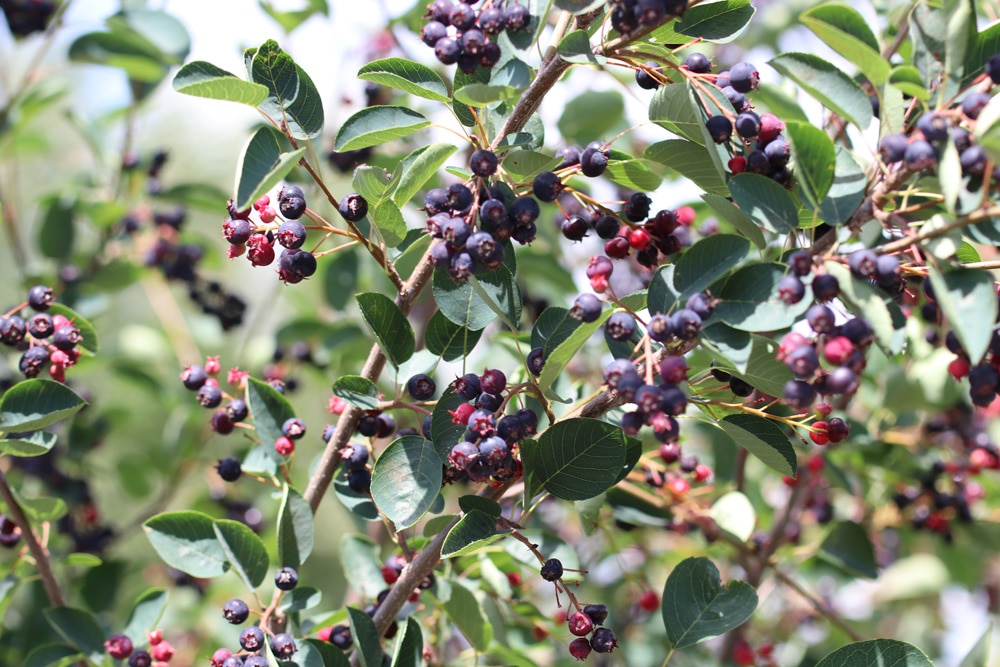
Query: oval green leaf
column 263, row 164
column 187, row 541
column 202, row 79
column 356, row 390
column 367, row 643
column 877, row 652
column 408, row 76
column 146, row 612
column 295, row 529
column 293, row 100
column 376, row 125
column 577, row 459
column 688, row 158
column 696, row 606
column 389, row 326
column 474, row 531
column 749, row 300
column 720, row 22
column 706, row 261
column 244, row 549
column 270, row 409
column 849, row 547
column 37, row 403
column 80, row 629
column 828, row 84
column 764, row 439
column 815, row 160
column 406, row 479
column 766, row 202
column 847, row 32
column 448, row 340
column 734, row 514
column 29, row 444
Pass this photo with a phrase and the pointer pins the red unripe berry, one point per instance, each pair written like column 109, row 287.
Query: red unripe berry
column 649, row 601
column 823, row 409
column 819, row 435
column 220, row 656
column 670, row 452
column 981, row 458
column 743, row 654
column 737, row 165
column 539, row 633
column 790, row 481
column 579, row 648
column 639, row 238
column 155, row 636
column 119, row 647
column 816, row 463
column 163, row 650
column 324, row 633
column 599, row 284
column 390, row 574
column 212, row 366
column 599, row 265
column 514, row 579
column 284, row 446
column 461, row 414
column 262, row 202
column 267, row 215
column 959, row 367
column 679, row 486
column 336, row 405
column 617, row 248
column 770, row 126
column 685, row 215
column 560, row 616
column 702, row 472
column 838, row 350
column 580, row 624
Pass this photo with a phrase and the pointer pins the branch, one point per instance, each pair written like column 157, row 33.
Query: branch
column 821, row 607
column 39, row 553
column 927, row 234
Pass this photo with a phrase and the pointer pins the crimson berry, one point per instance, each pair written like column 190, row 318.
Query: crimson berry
column 679, row 486
column 743, row 653
column 579, row 648
column 284, row 446
column 493, row 381
column 639, row 239
column 837, row 430
column 649, row 601
column 819, row 435
column 580, row 624
column 260, row 252
column 119, row 647
column 737, row 164
column 617, row 248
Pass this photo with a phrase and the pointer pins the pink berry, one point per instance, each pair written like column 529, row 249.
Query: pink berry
column 284, row 446
column 579, row 648
column 580, row 624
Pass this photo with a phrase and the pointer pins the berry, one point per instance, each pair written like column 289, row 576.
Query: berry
column 791, row 289
column 934, row 127
column 229, row 469
column 837, row 430
column 236, row 611
column 255, row 661
column 649, row 601
column 536, row 360
column 293, row 428
column 798, row 394
column 574, row 228
column 209, row 396
column 40, row 297
column 992, row 68
column 260, row 252
column 493, row 381
column 421, row 387
column 743, row 653
column 546, row 186
column 685, row 324
column 744, row 77
column 483, row 162
column 892, row 148
column 552, row 570
column 140, row 659
column 819, row 435
column 237, row 410
column 747, row 124
column 719, row 128
column 974, row 103
column 220, row 657
column 12, row 330
column 222, row 423
column 920, row 155
column 66, row 337
column 119, row 646
column 33, row 361
column 284, row 446
column 698, row 63
column 283, row 646
column 360, row 481
column 286, row 578
column 291, row 202
column 593, row 162
column 579, row 648
column 863, row 263
column 353, row 207
column 603, row 640
column 598, row 613
column 821, row 318
column 291, row 234
column 825, row 287
column 163, row 651
column 770, row 127
column 516, row 16
column 644, row 77
column 778, row 152
column 586, row 308
column 620, row 326
column 580, row 624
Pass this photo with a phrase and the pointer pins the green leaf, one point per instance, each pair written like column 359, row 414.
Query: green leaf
column 87, row 330
column 557, row 356
column 960, row 34
column 362, row 565
column 815, row 160
column 377, row 125
column 445, row 433
column 418, row 167
column 292, row 19
column 481, row 95
column 873, row 305
column 409, row 646
column 29, row 444
column 733, row 345
column 578, row 458
column 721, row 21
column 673, row 109
column 662, row 297
column 750, row 300
column 907, row 80
column 163, row 30
column 590, row 114
column 766, row 202
column 408, row 76
column 737, row 218
column 57, row 232
column 987, row 44
column 828, row 84
column 300, row 599
column 263, row 164
column 39, row 510
column 406, row 479
column 80, row 629
column 474, row 531
column 632, row 174
column 575, row 48
column 488, row 506
column 366, row 639
column 37, row 403
column 847, row 190
column 48, row 655
column 202, row 79
column 523, row 166
column 553, row 327
column 706, row 261
column 244, row 550
column 578, row 6
column 846, row 31
column 849, row 548
column 375, row 184
column 688, row 159
column 331, row 655
column 475, row 305
column 763, row 370
column 358, row 391
column 734, row 514
column 295, row 529
column 146, row 612
column 448, row 340
column 889, row 652
column 186, row 541
column 695, row 605
column 270, row 409
column 968, row 301
column 764, row 439
column 293, row 100
column 389, row 326
column 124, row 49
column 389, row 222
column 465, row 612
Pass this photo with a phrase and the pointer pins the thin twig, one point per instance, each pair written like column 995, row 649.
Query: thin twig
column 41, row 556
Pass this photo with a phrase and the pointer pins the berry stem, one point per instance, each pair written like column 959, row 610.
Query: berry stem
column 927, row 234
column 38, row 552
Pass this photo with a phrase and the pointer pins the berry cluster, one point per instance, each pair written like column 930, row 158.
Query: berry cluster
column 946, row 493
column 159, row 653
column 627, row 16
column 487, row 451
column 46, row 341
column 28, row 16
column 179, row 261
column 252, row 652
column 204, row 380
column 464, row 35
column 921, row 147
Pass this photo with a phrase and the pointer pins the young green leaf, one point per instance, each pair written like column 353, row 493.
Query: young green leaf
column 706, row 261
column 688, row 159
column 36, row 403
column 146, row 612
column 474, row 531
column 847, row 32
column 263, row 164
column 293, row 101
column 366, row 639
column 578, row 458
column 269, row 408
column 815, row 160
column 467, row 614
column 408, row 76
column 376, row 125
column 695, row 605
column 417, row 168
column 28, row 444
column 969, row 303
column 734, row 514
column 202, row 79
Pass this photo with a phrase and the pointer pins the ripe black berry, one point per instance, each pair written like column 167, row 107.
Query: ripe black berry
column 992, row 68
column 140, row 659
column 516, row 16
column 598, row 613
column 340, row 636
column 291, row 234
column 353, row 207
column 524, row 210
column 252, row 638
column 209, row 396
column 536, row 360
column 292, row 202
column 236, row 611
column 637, row 206
column 483, row 163
column 40, row 325
column 552, row 569
column 33, row 361
column 493, row 381
column 574, row 228
column 603, row 640
column 447, row 50
column 747, row 124
column 720, row 128
column 547, row 186
column 421, row 387
column 744, row 77
column 593, row 161
column 66, row 337
column 40, row 297
column 698, row 63
column 892, row 148
column 620, row 326
column 229, row 469
column 237, row 409
column 12, row 330
column 286, row 578
column 920, row 155
column 644, row 77
column 360, row 481
column 586, row 308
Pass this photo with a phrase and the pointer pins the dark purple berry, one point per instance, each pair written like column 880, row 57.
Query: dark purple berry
column 698, row 63
column 747, row 124
column 291, row 202
column 547, row 187
column 536, row 361
column 644, row 76
column 40, row 297
column 516, row 16
column 620, row 326
column 825, row 287
column 283, row 646
column 33, row 361
column 493, row 381
column 574, row 228
column 447, row 50
column 286, row 578
column 719, row 128
column 140, row 659
column 421, row 387
column 744, row 77
column 934, row 127
column 863, row 263
column 552, row 570
column 598, row 613
column 40, row 325
column 209, row 396
column 353, row 207
column 229, row 469
column 791, row 289
column 586, row 308
column 920, row 155
column 293, row 428
column 603, row 640
column 360, row 481
column 892, row 148
column 291, row 234
column 483, row 163
column 236, row 611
